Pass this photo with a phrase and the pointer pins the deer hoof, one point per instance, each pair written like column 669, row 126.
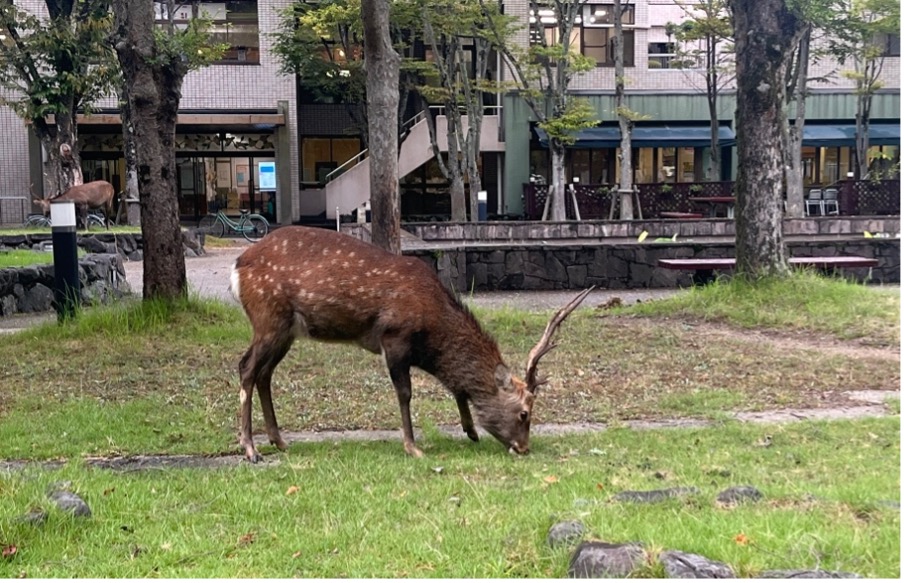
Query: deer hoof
column 253, row 456
column 472, row 434
column 279, row 443
column 413, row 451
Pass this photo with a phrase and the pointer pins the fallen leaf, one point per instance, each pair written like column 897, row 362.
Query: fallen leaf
column 292, row 490
column 599, row 486
column 438, row 469
column 9, row 551
column 741, row 539
column 550, row 479
column 166, row 546
column 296, row 554
column 246, row 539
column 109, row 491
column 643, row 235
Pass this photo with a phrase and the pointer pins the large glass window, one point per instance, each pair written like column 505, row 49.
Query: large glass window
column 234, row 23
column 593, row 33
column 320, row 156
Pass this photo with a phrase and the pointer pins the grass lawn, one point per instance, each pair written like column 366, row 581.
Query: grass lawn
column 151, row 378
column 366, row 510
column 23, row 258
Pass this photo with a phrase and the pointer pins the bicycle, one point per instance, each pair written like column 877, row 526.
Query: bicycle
column 95, row 219
column 252, row 226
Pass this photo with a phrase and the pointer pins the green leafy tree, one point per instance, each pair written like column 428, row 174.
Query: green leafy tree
column 154, row 61
column 542, row 75
column 56, row 64
column 861, row 42
column 705, row 38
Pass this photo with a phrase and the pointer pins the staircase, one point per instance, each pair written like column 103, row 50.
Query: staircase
column 348, row 187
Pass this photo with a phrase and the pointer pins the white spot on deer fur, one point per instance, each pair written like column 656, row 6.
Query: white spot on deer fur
column 235, row 284
column 345, row 264
column 360, row 261
column 361, row 289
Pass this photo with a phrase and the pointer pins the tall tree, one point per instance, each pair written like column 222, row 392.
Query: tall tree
column 625, row 121
column 154, row 62
column 766, row 33
column 56, row 65
column 861, row 41
column 382, row 63
column 452, row 30
column 542, row 76
column 705, row 36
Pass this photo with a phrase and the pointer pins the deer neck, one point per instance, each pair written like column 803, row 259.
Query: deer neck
column 466, row 358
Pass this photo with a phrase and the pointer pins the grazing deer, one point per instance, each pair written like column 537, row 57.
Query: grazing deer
column 91, row 195
column 320, row 284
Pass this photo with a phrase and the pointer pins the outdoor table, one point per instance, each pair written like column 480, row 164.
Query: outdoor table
column 713, row 202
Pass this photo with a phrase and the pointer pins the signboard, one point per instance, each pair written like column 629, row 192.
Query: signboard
column 266, row 175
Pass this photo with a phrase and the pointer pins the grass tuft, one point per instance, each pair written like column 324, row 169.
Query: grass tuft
column 804, row 301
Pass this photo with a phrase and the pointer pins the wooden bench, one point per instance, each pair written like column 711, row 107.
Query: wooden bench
column 677, row 215
column 705, row 266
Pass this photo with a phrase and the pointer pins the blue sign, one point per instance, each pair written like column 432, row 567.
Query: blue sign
column 266, row 175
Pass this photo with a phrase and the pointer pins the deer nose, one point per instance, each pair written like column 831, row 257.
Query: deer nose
column 518, row 448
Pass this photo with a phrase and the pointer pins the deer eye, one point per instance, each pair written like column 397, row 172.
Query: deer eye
column 524, row 415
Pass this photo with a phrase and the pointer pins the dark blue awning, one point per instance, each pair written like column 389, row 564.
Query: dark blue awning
column 654, row 136
column 825, row 136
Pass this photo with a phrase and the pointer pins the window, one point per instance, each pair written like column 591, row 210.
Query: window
column 233, row 23
column 892, row 45
column 599, row 44
column 661, row 55
column 593, row 33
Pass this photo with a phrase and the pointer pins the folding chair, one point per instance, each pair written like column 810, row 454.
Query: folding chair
column 830, row 201
column 814, row 199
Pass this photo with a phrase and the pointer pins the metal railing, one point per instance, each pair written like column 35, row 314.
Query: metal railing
column 435, row 110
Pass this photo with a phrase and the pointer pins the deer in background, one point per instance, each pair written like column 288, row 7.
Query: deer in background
column 91, row 195
column 310, row 282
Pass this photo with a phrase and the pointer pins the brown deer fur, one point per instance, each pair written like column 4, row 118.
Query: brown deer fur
column 91, row 195
column 309, row 282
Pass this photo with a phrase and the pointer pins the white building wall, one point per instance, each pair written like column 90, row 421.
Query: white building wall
column 651, row 16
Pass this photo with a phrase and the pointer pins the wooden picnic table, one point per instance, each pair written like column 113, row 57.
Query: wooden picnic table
column 714, row 202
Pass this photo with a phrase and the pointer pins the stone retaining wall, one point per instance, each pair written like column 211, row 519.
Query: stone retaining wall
column 536, row 230
column 30, row 289
column 128, row 245
column 620, row 266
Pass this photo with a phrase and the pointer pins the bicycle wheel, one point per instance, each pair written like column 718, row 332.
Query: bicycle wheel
column 211, row 225
column 254, row 227
column 95, row 220
column 37, row 221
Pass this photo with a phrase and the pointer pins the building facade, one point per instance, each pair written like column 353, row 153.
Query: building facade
column 237, row 129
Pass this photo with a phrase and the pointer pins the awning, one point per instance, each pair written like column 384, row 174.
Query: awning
column 825, row 136
column 651, row 136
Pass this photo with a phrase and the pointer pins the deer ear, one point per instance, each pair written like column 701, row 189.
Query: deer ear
column 503, row 378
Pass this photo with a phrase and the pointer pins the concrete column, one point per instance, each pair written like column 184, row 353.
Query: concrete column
column 285, row 188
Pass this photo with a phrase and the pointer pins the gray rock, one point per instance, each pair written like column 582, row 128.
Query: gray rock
column 807, row 574
column 565, row 532
column 38, row 299
column 738, row 494
column 647, row 496
column 681, row 565
column 70, row 502
column 597, row 559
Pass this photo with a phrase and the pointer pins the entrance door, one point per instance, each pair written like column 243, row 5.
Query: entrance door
column 192, row 199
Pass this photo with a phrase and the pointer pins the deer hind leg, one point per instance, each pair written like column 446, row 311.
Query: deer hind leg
column 256, row 369
column 467, row 423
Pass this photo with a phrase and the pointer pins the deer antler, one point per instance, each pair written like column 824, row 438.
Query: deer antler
column 545, row 344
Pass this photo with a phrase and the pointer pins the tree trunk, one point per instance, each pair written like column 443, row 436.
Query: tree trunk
column 382, row 63
column 625, row 125
column 63, row 168
column 766, row 34
column 555, row 195
column 154, row 89
column 714, row 172
column 794, row 178
column 454, row 131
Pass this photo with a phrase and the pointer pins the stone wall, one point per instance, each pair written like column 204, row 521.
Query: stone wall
column 128, row 245
column 620, row 266
column 30, row 289
column 536, row 230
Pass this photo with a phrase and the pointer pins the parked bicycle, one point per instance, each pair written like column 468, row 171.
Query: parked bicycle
column 95, row 219
column 252, row 226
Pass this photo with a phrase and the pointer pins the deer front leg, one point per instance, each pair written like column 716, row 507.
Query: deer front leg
column 467, row 423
